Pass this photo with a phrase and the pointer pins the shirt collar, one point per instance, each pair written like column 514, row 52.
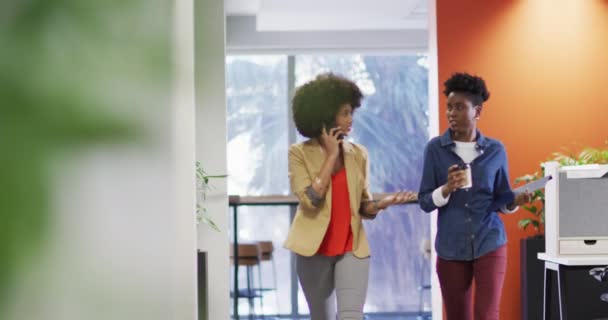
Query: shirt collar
column 347, row 147
column 446, row 139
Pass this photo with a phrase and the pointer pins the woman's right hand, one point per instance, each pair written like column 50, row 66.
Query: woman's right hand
column 456, row 179
column 330, row 140
column 397, row 198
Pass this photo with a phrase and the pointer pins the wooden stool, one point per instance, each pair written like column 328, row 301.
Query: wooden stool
column 267, row 254
column 249, row 255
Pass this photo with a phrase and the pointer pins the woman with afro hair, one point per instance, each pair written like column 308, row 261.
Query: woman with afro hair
column 465, row 177
column 329, row 175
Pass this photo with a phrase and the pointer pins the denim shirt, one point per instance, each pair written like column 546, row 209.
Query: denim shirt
column 468, row 226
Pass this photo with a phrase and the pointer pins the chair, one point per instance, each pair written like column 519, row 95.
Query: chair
column 600, row 274
column 249, row 256
column 267, row 254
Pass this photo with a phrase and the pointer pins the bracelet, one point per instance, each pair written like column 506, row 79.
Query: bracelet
column 313, row 196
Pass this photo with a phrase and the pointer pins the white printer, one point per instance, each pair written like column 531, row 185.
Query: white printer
column 576, row 210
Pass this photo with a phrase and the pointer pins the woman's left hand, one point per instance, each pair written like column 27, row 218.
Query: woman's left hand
column 397, row 198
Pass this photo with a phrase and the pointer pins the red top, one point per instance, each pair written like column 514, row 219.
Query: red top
column 339, row 236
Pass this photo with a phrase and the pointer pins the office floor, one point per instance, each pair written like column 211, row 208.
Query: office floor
column 398, row 317
column 367, row 317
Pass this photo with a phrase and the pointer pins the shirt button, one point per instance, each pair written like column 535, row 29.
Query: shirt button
column 466, row 205
column 472, row 236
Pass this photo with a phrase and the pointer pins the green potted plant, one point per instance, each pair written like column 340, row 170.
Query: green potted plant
column 531, row 267
column 536, row 210
column 202, row 186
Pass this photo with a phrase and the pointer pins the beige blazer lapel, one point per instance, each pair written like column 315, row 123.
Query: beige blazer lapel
column 352, row 175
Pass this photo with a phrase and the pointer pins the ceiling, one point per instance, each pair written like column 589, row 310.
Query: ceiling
column 332, row 15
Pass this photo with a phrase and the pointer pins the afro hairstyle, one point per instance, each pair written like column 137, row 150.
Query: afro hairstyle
column 317, row 102
column 473, row 86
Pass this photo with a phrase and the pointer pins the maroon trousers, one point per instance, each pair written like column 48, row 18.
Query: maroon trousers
column 456, row 280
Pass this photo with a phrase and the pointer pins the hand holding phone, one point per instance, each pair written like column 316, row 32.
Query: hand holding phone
column 332, row 125
column 330, row 140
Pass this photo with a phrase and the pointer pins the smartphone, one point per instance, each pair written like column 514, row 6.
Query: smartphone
column 331, row 125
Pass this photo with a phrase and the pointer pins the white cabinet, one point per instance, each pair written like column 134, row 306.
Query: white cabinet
column 576, row 210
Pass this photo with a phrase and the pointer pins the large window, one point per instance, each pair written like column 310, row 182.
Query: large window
column 392, row 123
column 257, row 161
column 257, row 125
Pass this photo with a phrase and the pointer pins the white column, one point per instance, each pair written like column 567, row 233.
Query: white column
column 184, row 297
column 211, row 147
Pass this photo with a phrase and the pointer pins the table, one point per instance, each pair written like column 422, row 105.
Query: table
column 235, row 202
column 272, row 200
column 558, row 265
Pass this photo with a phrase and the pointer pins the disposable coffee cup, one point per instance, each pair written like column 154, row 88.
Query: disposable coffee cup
column 469, row 178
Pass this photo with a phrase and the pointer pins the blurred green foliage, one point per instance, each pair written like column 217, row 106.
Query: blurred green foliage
column 72, row 74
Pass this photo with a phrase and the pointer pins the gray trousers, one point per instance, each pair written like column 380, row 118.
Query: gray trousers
column 344, row 275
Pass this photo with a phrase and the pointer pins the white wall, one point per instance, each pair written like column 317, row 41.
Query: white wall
column 211, row 146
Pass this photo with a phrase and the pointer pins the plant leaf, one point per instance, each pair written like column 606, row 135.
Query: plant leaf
column 218, row 176
column 542, row 215
column 536, row 224
column 202, row 185
column 523, row 223
column 526, row 178
column 210, row 222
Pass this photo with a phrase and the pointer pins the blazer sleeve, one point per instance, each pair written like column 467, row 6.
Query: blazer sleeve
column 366, row 195
column 301, row 181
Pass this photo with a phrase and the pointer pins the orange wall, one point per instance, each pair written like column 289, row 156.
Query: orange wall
column 546, row 65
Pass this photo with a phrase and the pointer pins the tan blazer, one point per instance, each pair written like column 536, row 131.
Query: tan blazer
column 310, row 223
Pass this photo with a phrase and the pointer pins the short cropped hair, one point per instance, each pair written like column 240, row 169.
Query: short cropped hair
column 473, row 86
column 318, row 101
